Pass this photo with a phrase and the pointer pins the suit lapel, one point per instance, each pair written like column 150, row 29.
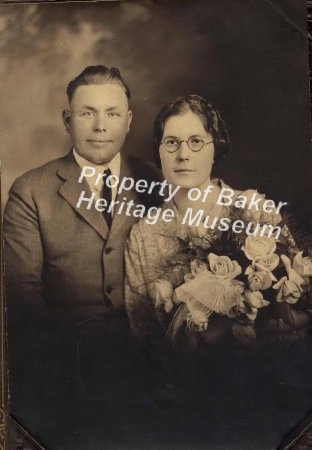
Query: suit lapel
column 71, row 192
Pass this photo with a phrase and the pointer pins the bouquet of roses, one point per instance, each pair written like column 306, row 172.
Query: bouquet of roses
column 261, row 273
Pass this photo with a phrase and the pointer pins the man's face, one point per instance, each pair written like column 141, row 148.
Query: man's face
column 98, row 121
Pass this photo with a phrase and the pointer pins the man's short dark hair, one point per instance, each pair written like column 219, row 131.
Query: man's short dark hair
column 212, row 121
column 97, row 75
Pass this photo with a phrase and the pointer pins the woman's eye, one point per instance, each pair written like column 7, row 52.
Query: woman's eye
column 171, row 141
column 196, row 140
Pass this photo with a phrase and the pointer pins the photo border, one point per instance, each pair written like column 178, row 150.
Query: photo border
column 12, row 435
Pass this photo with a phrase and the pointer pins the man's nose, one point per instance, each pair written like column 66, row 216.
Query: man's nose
column 183, row 153
column 100, row 123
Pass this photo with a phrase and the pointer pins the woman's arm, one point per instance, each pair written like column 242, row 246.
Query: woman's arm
column 139, row 306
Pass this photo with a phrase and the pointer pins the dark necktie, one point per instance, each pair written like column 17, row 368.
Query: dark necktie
column 107, row 195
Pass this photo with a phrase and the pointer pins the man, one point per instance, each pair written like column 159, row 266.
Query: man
column 63, row 260
column 58, row 253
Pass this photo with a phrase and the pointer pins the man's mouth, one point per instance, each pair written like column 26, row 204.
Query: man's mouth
column 183, row 170
column 100, row 141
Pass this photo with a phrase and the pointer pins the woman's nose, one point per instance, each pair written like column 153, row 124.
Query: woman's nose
column 183, row 152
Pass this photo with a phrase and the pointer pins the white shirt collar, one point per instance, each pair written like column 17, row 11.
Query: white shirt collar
column 113, row 165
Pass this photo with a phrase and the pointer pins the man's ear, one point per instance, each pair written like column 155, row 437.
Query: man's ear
column 129, row 118
column 66, row 118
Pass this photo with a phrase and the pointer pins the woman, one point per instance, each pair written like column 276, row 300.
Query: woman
column 211, row 268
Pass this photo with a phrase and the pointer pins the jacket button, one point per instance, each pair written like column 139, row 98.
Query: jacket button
column 108, row 250
column 109, row 289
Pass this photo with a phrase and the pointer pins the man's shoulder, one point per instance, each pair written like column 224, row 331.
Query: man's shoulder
column 41, row 174
column 143, row 169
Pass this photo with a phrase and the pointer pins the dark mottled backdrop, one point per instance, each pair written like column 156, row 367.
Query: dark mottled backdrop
column 248, row 56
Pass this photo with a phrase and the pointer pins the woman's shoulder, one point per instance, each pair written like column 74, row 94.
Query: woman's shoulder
column 139, row 229
column 144, row 228
column 250, row 205
column 157, row 219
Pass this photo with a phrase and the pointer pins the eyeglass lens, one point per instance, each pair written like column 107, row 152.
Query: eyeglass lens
column 195, row 143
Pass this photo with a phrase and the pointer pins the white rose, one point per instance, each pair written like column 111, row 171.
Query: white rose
column 303, row 265
column 223, row 266
column 258, row 247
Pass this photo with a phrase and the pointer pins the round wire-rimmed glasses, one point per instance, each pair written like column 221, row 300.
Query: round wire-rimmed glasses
column 195, row 143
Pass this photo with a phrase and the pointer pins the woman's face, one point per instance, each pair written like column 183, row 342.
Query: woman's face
column 184, row 167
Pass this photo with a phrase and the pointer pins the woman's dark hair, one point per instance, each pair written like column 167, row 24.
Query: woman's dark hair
column 212, row 121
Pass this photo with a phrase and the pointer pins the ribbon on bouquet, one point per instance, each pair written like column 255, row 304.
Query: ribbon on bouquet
column 211, row 292
column 199, row 298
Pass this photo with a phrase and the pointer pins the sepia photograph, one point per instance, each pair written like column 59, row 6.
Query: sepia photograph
column 156, row 224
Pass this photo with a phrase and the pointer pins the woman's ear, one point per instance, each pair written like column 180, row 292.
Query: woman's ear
column 66, row 118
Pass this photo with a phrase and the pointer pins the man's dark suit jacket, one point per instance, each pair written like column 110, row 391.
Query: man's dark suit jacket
column 64, row 268
column 58, row 256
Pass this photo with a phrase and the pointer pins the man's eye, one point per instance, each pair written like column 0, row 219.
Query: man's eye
column 88, row 114
column 113, row 115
